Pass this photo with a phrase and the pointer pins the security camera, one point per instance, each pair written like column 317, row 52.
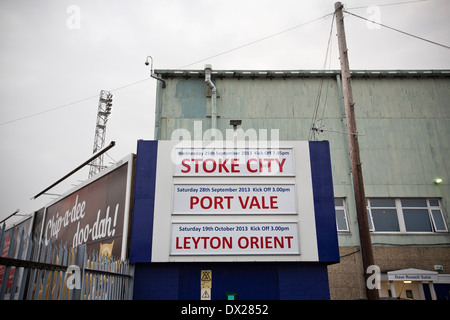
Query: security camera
column 146, row 60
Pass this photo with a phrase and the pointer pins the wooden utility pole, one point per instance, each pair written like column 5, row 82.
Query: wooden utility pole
column 358, row 184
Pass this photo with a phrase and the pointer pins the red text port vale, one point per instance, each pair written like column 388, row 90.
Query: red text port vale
column 224, row 202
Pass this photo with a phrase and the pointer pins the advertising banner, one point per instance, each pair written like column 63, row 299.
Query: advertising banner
column 234, row 239
column 93, row 214
column 233, row 162
column 234, row 199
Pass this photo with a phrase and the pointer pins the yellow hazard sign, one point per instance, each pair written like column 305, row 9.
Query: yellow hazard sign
column 206, row 275
column 206, row 279
column 205, row 294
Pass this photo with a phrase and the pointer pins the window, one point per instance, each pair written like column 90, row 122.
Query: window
column 383, row 214
column 415, row 213
column 341, row 215
column 405, row 215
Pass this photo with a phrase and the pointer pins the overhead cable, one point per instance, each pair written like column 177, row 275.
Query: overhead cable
column 68, row 104
column 389, row 4
column 258, row 40
column 406, row 33
column 319, row 93
column 190, row 64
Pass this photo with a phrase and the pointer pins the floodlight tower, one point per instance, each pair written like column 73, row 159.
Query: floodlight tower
column 104, row 110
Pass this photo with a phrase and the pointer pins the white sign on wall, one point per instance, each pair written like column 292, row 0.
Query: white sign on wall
column 233, row 204
column 234, row 238
column 233, row 162
column 234, row 199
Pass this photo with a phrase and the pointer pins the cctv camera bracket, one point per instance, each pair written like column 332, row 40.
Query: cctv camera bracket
column 153, row 75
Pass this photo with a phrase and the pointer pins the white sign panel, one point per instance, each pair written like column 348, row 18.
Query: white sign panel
column 214, row 203
column 234, row 199
column 233, row 162
column 413, row 277
column 234, row 239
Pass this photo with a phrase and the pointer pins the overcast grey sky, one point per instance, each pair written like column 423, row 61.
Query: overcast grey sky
column 55, row 53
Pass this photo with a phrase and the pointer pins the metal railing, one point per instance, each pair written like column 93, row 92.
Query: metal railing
column 34, row 270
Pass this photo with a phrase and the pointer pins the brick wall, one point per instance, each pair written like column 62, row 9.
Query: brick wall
column 346, row 278
column 397, row 258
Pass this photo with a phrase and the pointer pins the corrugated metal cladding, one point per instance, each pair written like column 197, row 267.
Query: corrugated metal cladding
column 403, row 119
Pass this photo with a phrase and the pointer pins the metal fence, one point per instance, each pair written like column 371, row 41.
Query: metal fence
column 33, row 270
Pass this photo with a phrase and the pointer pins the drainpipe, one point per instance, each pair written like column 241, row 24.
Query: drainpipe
column 208, row 70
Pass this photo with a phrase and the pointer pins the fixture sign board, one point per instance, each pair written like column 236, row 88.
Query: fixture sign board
column 234, row 239
column 233, row 162
column 234, row 199
column 218, row 203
